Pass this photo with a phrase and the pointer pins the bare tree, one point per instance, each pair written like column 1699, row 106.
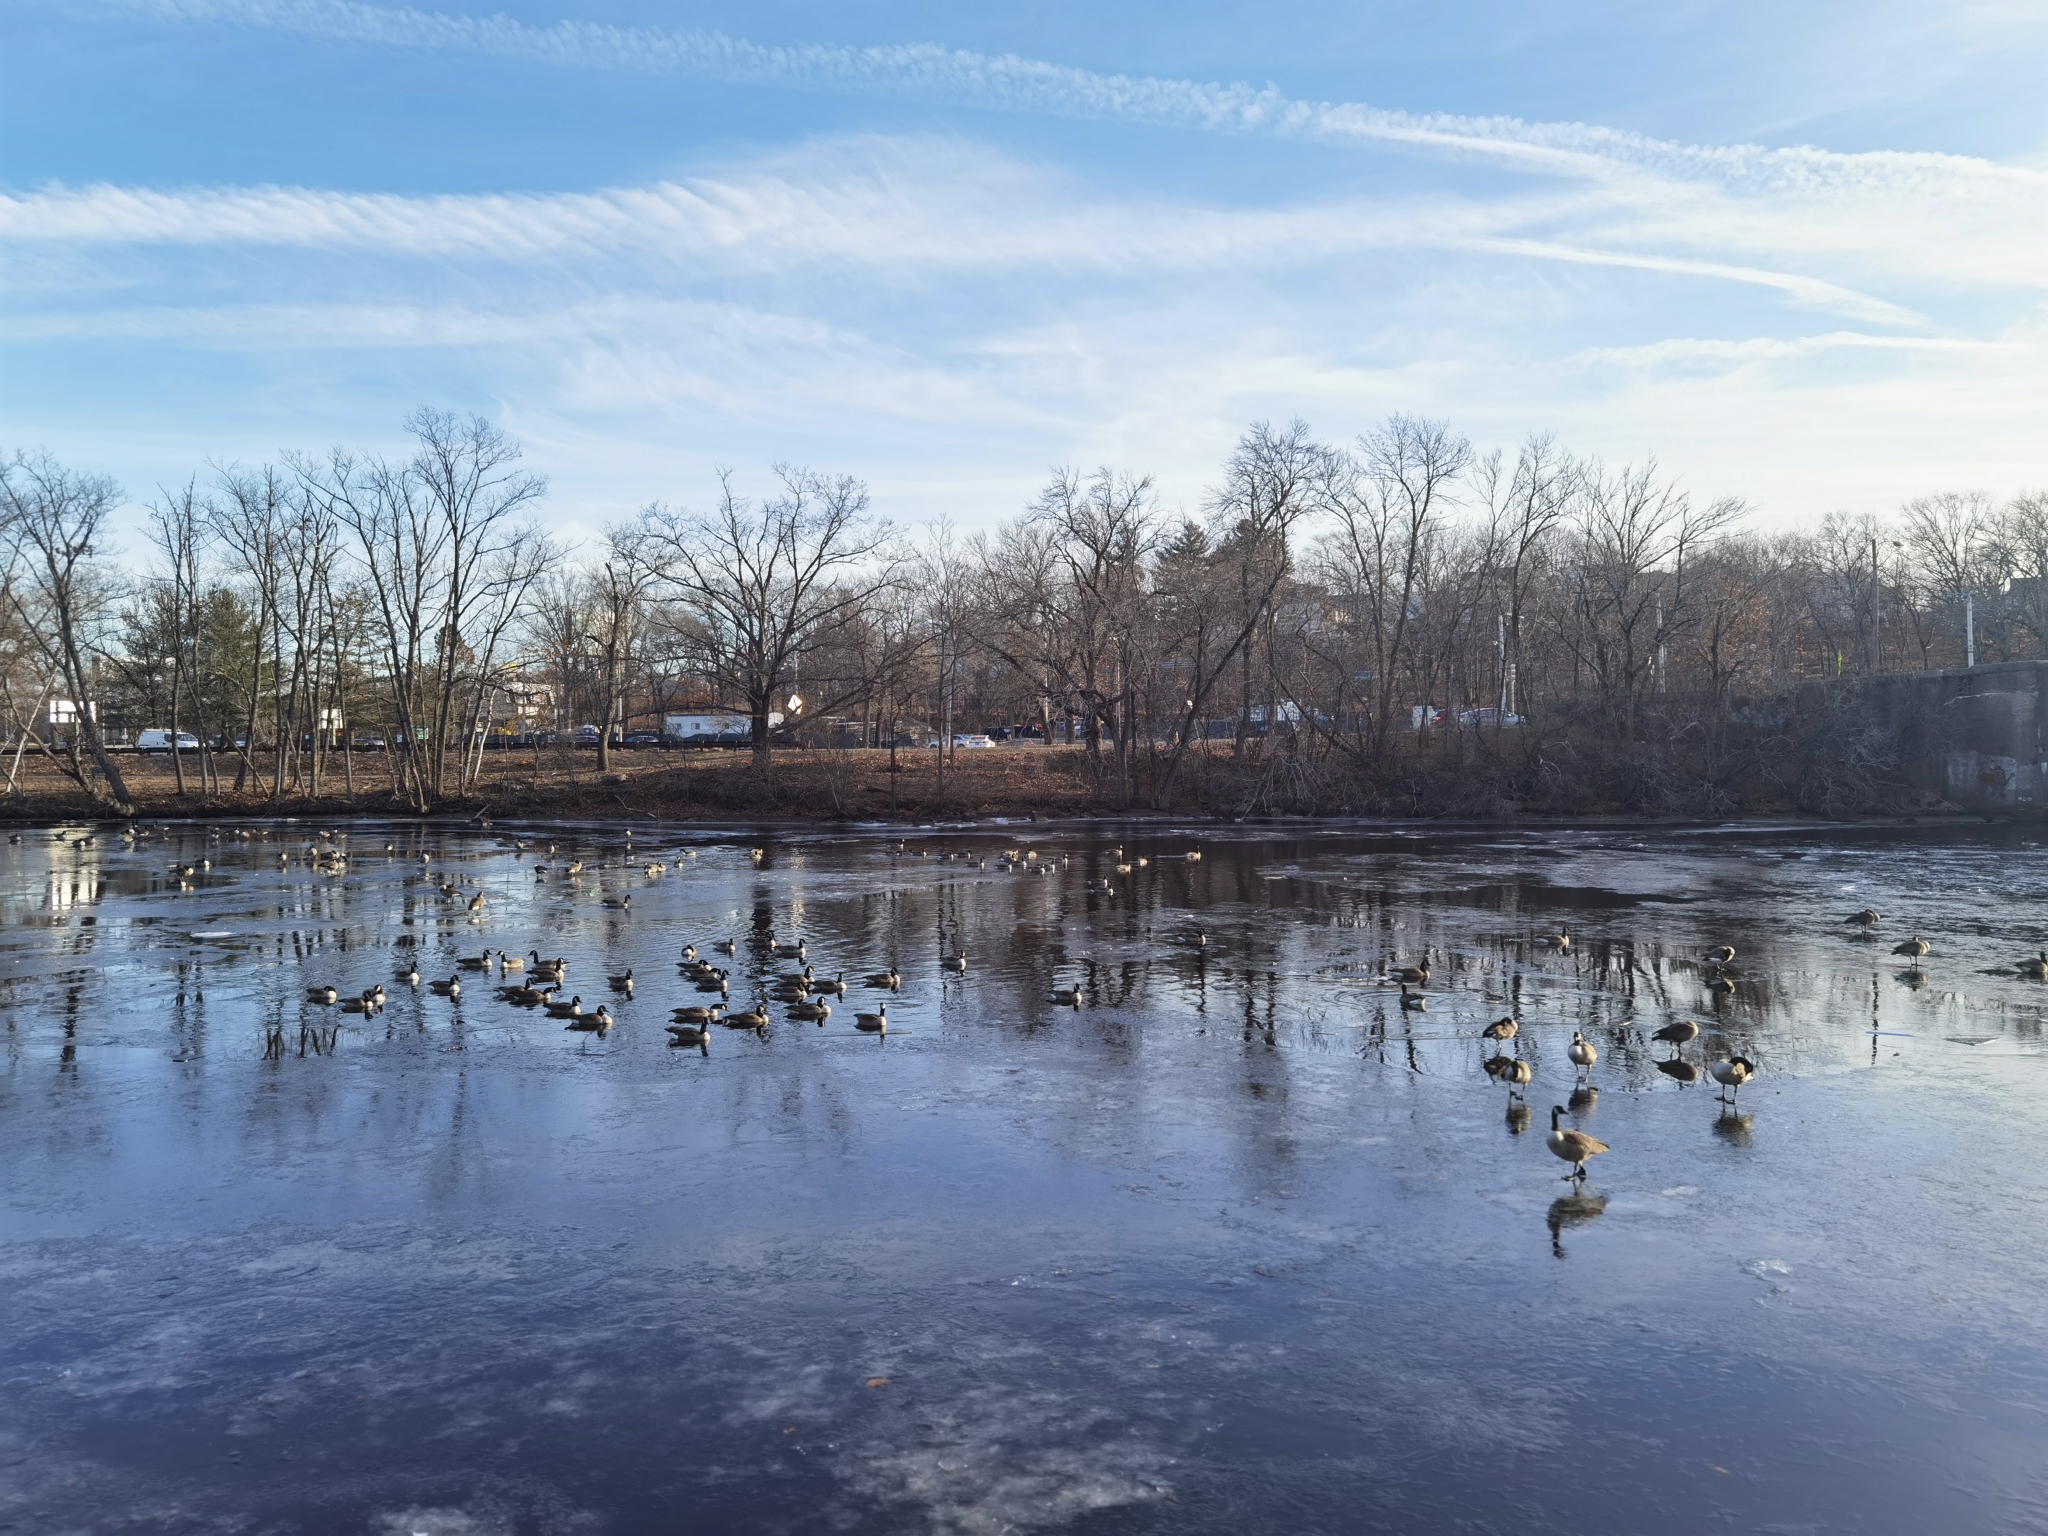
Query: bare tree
column 757, row 584
column 52, row 518
column 1631, row 583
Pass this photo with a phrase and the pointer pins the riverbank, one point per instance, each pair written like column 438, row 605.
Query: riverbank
column 655, row 785
column 1041, row 783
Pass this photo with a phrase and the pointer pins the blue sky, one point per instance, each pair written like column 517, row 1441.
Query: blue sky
column 1800, row 260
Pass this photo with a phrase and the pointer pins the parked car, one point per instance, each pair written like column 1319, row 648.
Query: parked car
column 160, row 741
column 1469, row 718
column 634, row 740
column 971, row 739
column 368, row 744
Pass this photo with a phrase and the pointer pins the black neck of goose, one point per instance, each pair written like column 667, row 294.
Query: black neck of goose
column 1554, row 1113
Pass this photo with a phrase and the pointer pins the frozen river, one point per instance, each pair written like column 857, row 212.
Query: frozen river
column 1239, row 1245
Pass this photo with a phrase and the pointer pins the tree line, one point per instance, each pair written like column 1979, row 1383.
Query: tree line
column 1333, row 626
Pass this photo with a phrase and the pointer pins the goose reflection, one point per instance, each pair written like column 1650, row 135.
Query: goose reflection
column 1684, row 1071
column 1519, row 1115
column 1914, row 978
column 1584, row 1098
column 1571, row 1211
column 1733, row 1127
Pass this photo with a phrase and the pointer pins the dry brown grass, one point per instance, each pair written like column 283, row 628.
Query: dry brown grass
column 668, row 786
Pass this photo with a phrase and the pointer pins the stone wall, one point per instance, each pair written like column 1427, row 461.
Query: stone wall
column 1978, row 737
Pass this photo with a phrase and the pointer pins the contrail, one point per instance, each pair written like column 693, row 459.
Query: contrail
column 1009, row 83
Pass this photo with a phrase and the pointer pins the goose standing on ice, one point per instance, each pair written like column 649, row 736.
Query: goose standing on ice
column 1573, row 1147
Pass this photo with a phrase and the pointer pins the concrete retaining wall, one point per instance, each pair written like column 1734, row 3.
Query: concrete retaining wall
column 1978, row 737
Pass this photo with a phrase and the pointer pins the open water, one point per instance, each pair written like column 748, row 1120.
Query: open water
column 1238, row 1245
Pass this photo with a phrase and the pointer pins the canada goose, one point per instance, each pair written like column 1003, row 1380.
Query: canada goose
column 1573, row 1147
column 1562, row 939
column 1583, row 1053
column 448, row 889
column 693, row 1015
column 800, row 978
column 568, row 1010
column 1123, row 869
column 1500, row 1029
column 376, row 992
column 509, row 962
column 752, row 1018
column 1419, row 974
column 1067, row 997
column 689, row 952
column 622, row 983
column 480, row 962
column 957, row 962
column 1195, row 857
column 573, row 867
column 1721, row 954
column 619, row 903
column 836, row 986
column 2037, row 967
column 1915, row 946
column 1678, row 1035
column 1733, row 1073
column 410, row 975
column 690, row 1034
column 452, row 987
column 819, row 1011
column 787, row 951
column 476, row 902
column 322, row 994
column 364, row 1004
column 554, row 967
column 589, row 1023
column 874, row 1023
column 889, row 978
column 1869, row 917
column 527, row 997
column 757, row 854
column 1513, row 1071
column 727, row 946
column 603, row 1017
column 1414, row 1001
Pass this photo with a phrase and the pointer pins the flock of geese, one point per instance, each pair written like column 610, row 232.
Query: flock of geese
column 1731, row 1073
column 1509, row 1067
column 531, row 981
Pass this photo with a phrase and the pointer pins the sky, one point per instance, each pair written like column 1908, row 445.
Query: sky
column 1800, row 259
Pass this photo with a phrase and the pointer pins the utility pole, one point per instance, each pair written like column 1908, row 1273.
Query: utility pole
column 1970, row 629
column 1876, row 611
column 1500, row 645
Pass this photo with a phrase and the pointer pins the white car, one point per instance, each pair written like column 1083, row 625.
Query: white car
column 160, row 741
column 972, row 741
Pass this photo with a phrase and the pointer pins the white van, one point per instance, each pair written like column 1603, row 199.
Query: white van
column 160, row 741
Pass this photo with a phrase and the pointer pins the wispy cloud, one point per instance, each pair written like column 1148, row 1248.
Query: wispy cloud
column 1007, row 82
